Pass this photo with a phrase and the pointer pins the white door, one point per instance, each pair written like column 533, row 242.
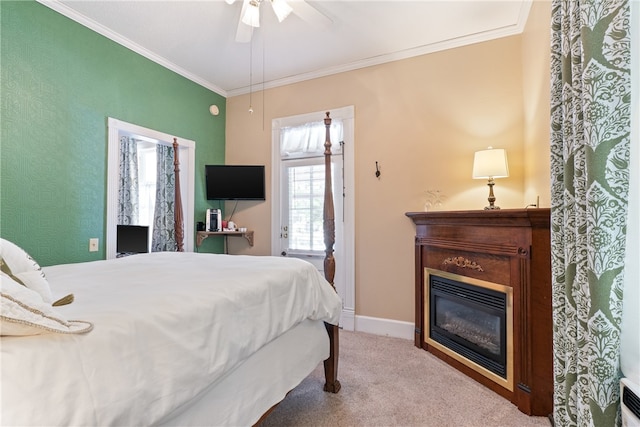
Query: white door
column 301, row 230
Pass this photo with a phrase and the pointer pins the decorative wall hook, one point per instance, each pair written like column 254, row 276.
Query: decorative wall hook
column 377, row 170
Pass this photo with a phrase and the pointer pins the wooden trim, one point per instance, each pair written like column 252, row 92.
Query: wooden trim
column 468, row 246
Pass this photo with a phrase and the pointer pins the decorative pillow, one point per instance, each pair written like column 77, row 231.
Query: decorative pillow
column 23, row 312
column 16, row 263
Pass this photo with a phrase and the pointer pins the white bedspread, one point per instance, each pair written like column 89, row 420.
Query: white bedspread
column 166, row 326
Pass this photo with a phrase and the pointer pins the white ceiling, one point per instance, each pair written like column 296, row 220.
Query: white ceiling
column 197, row 38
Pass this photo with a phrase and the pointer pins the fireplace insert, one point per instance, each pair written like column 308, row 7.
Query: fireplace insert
column 471, row 321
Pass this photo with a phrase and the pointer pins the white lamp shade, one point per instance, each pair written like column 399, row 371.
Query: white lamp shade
column 281, row 9
column 251, row 15
column 491, row 163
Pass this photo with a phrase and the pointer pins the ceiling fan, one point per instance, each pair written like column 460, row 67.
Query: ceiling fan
column 250, row 15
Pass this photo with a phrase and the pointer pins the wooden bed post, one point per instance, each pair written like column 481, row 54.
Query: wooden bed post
column 177, row 211
column 329, row 227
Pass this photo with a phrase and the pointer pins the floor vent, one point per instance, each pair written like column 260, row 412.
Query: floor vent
column 630, row 403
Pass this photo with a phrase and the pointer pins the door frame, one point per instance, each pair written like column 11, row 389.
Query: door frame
column 186, row 155
column 347, row 116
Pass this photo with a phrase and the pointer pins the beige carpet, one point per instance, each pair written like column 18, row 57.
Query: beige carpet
column 389, row 382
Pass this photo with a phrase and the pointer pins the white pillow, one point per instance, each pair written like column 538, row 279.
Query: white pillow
column 24, row 269
column 23, row 312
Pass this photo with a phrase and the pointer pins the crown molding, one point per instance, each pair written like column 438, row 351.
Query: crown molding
column 506, row 31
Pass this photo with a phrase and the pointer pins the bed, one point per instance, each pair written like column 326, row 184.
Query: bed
column 165, row 338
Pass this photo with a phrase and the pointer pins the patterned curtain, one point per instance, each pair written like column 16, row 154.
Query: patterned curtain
column 163, row 238
column 590, row 143
column 128, row 189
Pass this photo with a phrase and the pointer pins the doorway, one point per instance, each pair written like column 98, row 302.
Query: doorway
column 186, row 152
column 298, row 193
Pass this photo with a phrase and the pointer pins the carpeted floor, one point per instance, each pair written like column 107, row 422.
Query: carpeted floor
column 389, row 382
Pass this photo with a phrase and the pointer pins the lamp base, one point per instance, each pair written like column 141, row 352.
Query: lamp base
column 491, row 198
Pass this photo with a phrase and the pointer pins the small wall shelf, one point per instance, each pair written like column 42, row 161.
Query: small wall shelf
column 201, row 235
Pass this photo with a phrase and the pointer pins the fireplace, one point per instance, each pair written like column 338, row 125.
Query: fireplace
column 502, row 256
column 471, row 321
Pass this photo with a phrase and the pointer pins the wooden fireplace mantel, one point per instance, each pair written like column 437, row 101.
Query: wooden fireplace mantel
column 510, row 247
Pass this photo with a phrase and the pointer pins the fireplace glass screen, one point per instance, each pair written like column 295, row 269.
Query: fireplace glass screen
column 471, row 321
column 474, row 326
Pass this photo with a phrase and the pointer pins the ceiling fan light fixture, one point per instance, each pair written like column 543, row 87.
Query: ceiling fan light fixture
column 281, row 8
column 251, row 15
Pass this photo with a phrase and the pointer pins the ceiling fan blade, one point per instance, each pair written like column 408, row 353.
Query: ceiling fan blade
column 309, row 13
column 244, row 32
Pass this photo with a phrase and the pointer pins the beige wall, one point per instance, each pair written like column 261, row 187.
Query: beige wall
column 537, row 98
column 421, row 119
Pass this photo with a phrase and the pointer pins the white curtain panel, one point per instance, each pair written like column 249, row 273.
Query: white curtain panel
column 308, row 140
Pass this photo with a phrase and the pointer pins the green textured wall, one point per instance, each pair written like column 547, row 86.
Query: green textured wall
column 60, row 82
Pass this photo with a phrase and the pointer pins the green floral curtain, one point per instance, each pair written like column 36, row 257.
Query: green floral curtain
column 590, row 143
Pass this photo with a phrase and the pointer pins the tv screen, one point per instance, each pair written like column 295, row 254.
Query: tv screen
column 132, row 239
column 235, row 182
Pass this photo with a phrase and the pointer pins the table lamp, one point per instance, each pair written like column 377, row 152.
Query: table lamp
column 490, row 164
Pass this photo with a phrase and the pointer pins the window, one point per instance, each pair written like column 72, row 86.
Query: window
column 147, row 178
column 306, row 197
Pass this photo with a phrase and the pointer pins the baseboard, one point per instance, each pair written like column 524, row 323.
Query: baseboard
column 347, row 319
column 387, row 327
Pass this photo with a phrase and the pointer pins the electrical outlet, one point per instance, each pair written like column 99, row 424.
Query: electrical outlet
column 93, row 245
column 534, row 205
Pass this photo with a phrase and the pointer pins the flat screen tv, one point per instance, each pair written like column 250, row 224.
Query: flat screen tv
column 235, row 182
column 132, row 239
